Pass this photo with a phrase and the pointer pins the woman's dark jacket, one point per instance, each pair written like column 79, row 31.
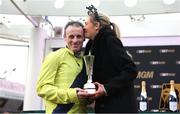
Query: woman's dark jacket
column 115, row 70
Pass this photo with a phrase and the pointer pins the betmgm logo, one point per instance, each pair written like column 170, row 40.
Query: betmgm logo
column 143, row 51
column 157, row 62
column 167, row 50
column 145, row 75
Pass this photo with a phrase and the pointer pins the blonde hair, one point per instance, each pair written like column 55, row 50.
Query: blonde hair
column 105, row 21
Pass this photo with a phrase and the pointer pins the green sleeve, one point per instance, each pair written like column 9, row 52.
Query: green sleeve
column 46, row 86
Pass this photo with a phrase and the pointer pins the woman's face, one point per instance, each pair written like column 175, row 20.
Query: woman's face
column 90, row 28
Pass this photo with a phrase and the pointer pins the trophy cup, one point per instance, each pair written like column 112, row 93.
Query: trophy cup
column 89, row 86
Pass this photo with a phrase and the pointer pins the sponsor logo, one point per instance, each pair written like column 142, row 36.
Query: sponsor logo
column 156, row 86
column 178, row 62
column 166, row 74
column 137, row 86
column 143, row 51
column 137, row 62
column 157, row 62
column 167, row 50
column 145, row 74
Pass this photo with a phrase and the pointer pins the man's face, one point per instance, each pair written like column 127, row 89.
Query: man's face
column 74, row 38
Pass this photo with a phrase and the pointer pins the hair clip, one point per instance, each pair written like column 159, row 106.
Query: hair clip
column 93, row 10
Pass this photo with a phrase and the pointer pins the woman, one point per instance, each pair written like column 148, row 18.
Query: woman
column 114, row 71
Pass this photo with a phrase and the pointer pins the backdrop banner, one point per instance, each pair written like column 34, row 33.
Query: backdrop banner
column 157, row 65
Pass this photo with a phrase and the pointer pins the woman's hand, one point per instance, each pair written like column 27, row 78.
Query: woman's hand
column 100, row 90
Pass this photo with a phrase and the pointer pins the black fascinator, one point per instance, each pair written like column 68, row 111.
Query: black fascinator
column 92, row 10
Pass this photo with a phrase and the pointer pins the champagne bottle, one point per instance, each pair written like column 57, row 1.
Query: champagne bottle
column 143, row 98
column 173, row 100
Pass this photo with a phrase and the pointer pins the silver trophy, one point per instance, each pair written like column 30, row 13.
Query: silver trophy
column 89, row 86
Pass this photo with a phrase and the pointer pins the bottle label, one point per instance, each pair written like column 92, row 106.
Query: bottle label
column 173, row 106
column 143, row 106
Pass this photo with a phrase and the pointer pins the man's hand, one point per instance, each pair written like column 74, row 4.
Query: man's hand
column 82, row 94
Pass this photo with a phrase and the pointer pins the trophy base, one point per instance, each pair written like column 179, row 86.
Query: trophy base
column 90, row 87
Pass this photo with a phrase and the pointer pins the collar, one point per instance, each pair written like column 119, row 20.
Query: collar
column 77, row 54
